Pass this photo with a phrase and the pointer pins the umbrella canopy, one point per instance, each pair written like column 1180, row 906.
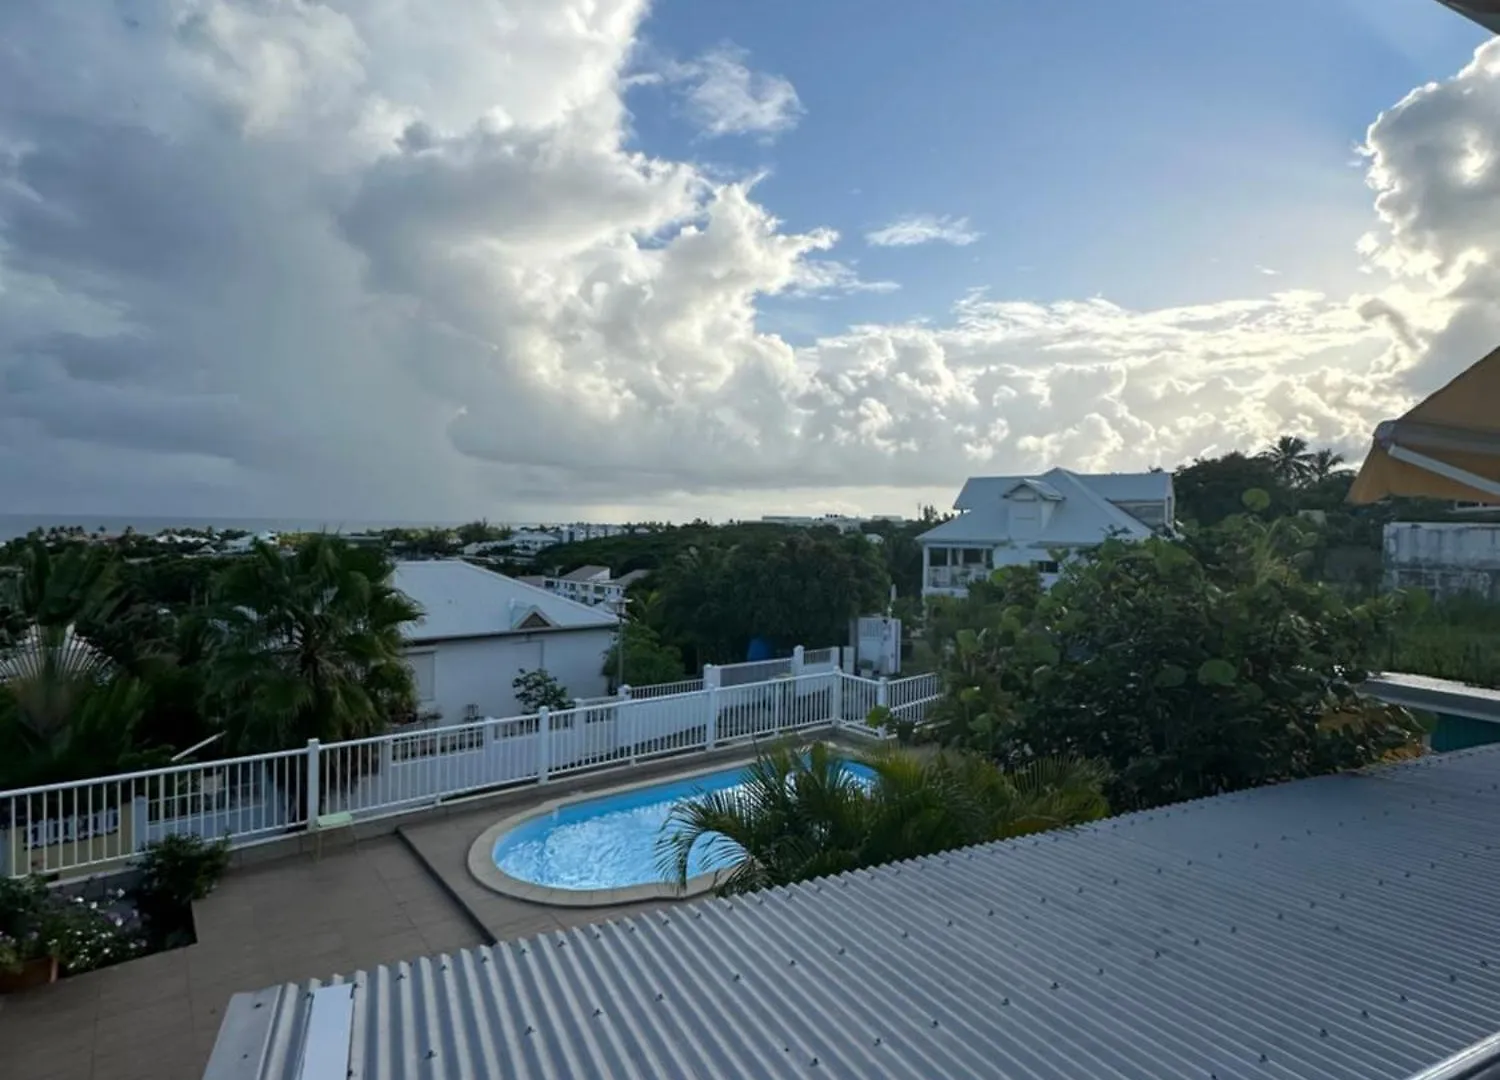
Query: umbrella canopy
column 1485, row 12
column 1448, row 447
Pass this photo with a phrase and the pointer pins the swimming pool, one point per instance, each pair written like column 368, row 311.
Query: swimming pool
column 605, row 843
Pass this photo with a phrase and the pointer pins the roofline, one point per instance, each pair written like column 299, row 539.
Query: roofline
column 439, row 638
column 1485, row 13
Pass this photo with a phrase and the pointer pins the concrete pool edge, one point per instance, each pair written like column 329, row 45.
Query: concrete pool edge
column 482, row 866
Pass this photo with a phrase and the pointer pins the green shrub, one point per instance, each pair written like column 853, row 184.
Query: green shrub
column 175, row 871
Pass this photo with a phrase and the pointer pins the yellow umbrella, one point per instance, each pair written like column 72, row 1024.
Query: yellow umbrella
column 1448, row 447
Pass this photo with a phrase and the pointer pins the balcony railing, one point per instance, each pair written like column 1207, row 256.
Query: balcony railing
column 956, row 577
column 101, row 824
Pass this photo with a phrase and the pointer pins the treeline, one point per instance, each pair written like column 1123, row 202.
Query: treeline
column 108, row 663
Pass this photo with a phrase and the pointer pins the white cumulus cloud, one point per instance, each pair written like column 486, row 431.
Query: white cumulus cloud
column 923, row 229
column 373, row 259
column 723, row 96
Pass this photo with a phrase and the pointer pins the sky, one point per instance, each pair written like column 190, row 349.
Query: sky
column 620, row 260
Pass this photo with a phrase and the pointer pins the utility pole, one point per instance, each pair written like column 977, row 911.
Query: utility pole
column 620, row 611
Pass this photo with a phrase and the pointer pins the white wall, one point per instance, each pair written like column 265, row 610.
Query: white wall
column 478, row 671
column 1443, row 557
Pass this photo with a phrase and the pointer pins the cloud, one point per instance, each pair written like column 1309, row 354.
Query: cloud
column 923, row 229
column 723, row 96
column 335, row 261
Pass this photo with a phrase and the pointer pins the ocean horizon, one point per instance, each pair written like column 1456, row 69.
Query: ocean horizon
column 17, row 525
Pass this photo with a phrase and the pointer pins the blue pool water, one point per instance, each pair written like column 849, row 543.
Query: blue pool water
column 610, row 842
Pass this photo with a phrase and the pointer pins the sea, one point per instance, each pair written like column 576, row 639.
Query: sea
column 14, row 525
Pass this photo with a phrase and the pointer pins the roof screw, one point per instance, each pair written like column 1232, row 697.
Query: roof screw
column 1054, row 985
column 841, row 950
column 792, row 962
column 1156, row 954
column 905, row 934
column 877, row 1040
column 1101, row 971
column 529, row 1029
column 814, row 1061
column 431, row 1054
column 1453, row 978
column 1195, row 941
column 1263, row 1058
column 934, row 1023
column 1005, row 1001
column 1322, row 1033
column 736, row 976
column 990, row 912
column 1116, row 881
column 1402, row 997
column 598, row 1011
column 1365, row 1013
column 1234, row 929
column 1080, row 889
column 660, row 996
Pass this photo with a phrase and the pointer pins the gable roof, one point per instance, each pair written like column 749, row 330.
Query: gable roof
column 464, row 600
column 587, row 573
column 1083, row 516
column 1332, row 929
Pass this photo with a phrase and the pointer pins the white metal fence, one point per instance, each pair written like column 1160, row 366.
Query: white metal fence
column 96, row 824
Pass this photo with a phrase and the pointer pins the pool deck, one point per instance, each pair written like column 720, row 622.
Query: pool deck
column 282, row 915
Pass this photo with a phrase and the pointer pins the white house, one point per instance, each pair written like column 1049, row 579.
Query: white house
column 1031, row 520
column 590, row 585
column 482, row 629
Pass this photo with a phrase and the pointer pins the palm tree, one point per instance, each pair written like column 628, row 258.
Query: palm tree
column 803, row 814
column 1290, row 460
column 1324, row 464
column 310, row 646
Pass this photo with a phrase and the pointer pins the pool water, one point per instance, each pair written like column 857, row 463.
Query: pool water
column 610, row 842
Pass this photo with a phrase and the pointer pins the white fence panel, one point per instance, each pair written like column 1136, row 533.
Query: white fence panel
column 667, row 689
column 64, row 828
column 755, row 671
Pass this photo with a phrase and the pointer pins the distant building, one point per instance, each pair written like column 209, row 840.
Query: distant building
column 1038, row 521
column 482, row 629
column 841, row 522
column 590, row 585
column 1443, row 558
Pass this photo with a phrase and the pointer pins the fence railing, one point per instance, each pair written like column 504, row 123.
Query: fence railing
column 655, row 690
column 99, row 824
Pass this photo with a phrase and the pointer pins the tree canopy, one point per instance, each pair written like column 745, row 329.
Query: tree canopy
column 1190, row 667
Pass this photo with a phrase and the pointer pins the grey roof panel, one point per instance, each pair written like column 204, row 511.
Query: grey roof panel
column 1335, row 928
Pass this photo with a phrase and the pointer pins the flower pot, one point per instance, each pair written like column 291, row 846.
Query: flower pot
column 38, row 972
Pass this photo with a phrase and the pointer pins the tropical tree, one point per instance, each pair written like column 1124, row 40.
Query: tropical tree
column 309, row 646
column 1324, row 463
column 648, row 659
column 1189, row 667
column 1290, row 460
column 802, row 814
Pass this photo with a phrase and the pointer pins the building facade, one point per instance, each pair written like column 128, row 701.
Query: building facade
column 1039, row 521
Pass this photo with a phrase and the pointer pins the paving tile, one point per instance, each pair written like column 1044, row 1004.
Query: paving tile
column 47, row 1059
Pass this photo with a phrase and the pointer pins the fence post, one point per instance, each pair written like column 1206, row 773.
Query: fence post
column 797, row 658
column 836, row 699
column 711, row 695
column 543, row 744
column 625, row 691
column 314, row 787
column 883, row 693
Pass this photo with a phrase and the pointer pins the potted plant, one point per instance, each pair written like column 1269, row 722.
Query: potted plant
column 25, row 959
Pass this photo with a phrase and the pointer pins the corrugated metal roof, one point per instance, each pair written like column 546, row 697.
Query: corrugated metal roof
column 1343, row 927
column 1081, row 516
column 464, row 600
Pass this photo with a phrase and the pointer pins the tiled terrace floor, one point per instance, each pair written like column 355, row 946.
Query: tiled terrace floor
column 283, row 921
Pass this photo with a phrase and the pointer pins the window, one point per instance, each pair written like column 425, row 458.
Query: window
column 1046, row 566
column 975, row 556
column 424, row 674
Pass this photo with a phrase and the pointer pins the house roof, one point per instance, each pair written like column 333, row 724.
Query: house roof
column 587, row 573
column 1084, row 514
column 1341, row 928
column 464, row 600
